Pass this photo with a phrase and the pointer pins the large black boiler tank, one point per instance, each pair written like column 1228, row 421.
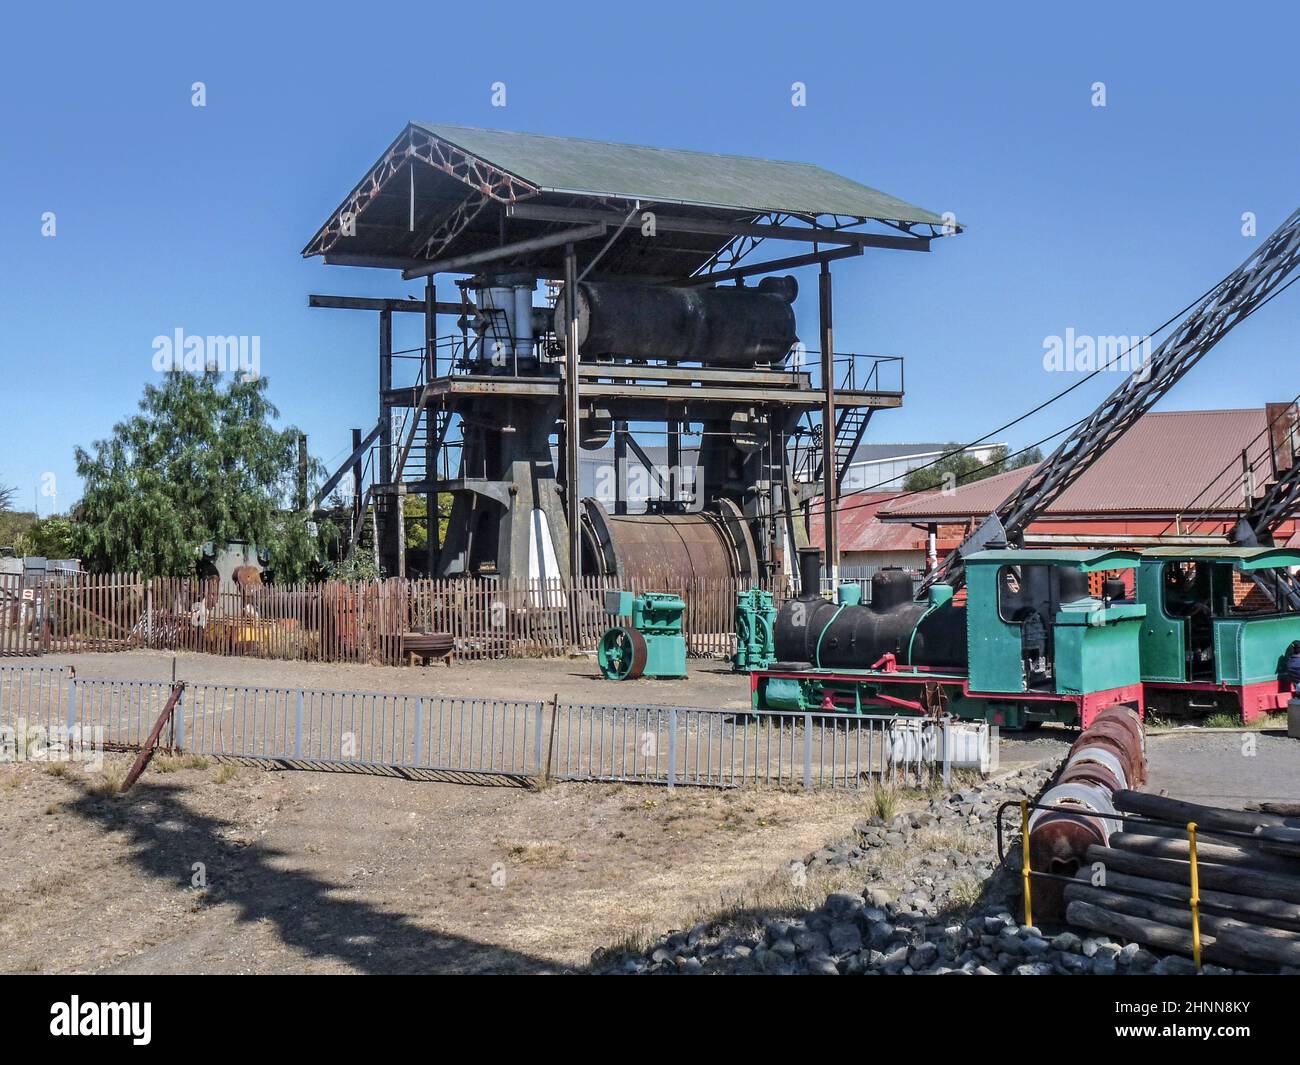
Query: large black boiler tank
column 721, row 326
column 813, row 632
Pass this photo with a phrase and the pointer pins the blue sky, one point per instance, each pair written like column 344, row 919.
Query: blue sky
column 1101, row 220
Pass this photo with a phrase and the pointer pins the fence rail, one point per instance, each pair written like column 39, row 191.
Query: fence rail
column 412, row 734
column 339, row 621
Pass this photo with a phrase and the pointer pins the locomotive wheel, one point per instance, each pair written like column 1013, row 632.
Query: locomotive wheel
column 622, row 654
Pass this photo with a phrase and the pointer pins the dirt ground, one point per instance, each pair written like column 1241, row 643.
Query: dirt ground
column 346, row 873
column 711, row 683
column 217, row 868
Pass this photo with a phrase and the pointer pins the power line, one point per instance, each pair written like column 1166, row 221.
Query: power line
column 840, row 508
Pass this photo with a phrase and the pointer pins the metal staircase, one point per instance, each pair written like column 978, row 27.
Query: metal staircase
column 1279, row 502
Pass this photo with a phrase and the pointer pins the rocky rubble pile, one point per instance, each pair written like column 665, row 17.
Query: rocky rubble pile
column 934, row 901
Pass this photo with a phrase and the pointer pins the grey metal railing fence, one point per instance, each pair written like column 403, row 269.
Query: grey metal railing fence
column 36, row 696
column 372, row 729
column 665, row 745
column 678, row 745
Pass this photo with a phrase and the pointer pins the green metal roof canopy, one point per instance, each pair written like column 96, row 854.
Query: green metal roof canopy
column 1082, row 560
column 665, row 175
column 451, row 196
column 1245, row 559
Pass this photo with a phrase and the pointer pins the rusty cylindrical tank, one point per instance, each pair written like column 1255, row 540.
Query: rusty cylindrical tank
column 669, row 548
column 1110, row 754
column 1059, row 839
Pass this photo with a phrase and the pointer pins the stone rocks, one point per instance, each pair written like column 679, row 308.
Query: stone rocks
column 844, row 904
column 809, row 942
column 1175, row 965
column 845, row 938
column 821, row 965
column 915, row 912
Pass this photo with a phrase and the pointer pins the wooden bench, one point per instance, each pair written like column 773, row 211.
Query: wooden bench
column 426, row 645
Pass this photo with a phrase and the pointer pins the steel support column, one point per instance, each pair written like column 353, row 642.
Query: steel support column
column 572, row 436
column 674, row 428
column 384, row 472
column 620, row 467
column 830, row 489
column 431, row 522
column 356, row 478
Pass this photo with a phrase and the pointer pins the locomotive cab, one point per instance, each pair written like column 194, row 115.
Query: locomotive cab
column 1035, row 628
column 1213, row 639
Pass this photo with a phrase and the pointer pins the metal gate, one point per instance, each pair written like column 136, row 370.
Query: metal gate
column 21, row 607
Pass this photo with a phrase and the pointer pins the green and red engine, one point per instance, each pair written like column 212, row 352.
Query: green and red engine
column 1028, row 644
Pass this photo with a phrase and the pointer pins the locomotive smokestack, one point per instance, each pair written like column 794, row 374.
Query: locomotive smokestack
column 810, row 571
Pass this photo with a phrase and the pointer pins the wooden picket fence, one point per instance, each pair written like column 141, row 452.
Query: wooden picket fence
column 341, row 621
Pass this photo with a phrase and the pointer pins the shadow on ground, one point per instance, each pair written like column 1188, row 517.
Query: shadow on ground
column 310, row 918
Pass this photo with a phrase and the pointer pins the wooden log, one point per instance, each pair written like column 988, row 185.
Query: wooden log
column 1280, row 840
column 1136, row 929
column 1282, row 809
column 1256, row 943
column 1271, row 912
column 1216, row 950
column 1158, row 846
column 1180, row 812
column 1167, row 912
column 1159, row 828
column 1236, row 879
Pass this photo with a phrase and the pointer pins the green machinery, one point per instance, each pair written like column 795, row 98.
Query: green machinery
column 1029, row 644
column 653, row 645
column 755, row 619
column 1204, row 645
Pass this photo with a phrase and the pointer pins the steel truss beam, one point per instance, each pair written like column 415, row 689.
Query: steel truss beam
column 414, row 144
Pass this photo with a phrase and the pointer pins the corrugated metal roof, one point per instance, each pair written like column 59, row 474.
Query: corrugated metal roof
column 1160, row 466
column 667, row 175
column 860, row 530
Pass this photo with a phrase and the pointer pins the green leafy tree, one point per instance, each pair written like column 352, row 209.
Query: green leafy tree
column 200, row 461
column 52, row 537
column 1026, row 458
column 963, row 467
column 13, row 523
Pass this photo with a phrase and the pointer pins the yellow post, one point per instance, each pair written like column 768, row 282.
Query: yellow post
column 1195, row 896
column 1024, row 871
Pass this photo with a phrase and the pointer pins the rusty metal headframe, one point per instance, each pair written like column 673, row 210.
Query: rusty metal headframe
column 487, row 182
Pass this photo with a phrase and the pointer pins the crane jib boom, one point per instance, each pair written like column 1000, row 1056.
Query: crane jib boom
column 1231, row 300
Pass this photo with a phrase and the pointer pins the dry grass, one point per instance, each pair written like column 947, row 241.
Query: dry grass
column 226, row 773
column 884, row 802
column 58, row 769
column 9, row 780
column 171, row 763
column 106, row 784
column 540, row 852
column 1220, row 720
column 965, row 893
column 791, row 891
